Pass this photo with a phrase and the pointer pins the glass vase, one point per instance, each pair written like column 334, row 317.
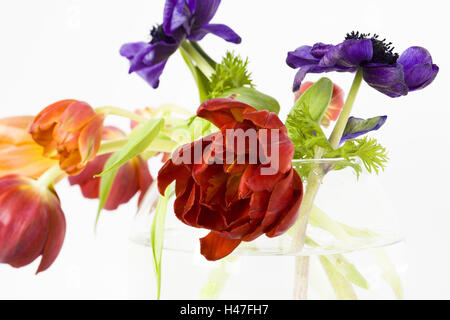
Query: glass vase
column 353, row 249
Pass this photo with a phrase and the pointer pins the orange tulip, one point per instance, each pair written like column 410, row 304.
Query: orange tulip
column 19, row 154
column 70, row 131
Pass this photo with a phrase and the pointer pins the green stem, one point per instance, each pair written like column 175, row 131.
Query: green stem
column 202, row 52
column 336, row 135
column 122, row 113
column 157, row 145
column 198, row 58
column 48, row 177
column 313, row 184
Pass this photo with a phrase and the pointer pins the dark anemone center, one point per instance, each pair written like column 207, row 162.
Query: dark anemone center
column 383, row 52
column 158, row 35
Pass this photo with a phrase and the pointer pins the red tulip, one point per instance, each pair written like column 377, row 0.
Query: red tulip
column 236, row 201
column 31, row 222
column 70, row 131
column 133, row 177
column 336, row 104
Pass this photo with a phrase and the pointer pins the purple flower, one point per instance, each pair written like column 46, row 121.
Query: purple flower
column 183, row 20
column 383, row 70
column 357, row 127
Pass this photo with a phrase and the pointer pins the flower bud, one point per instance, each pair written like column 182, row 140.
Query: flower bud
column 31, row 222
column 69, row 131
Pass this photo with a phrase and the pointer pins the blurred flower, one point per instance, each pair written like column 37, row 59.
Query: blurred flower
column 70, row 131
column 183, row 19
column 19, row 154
column 132, row 177
column 236, row 201
column 382, row 69
column 31, row 222
column 336, row 103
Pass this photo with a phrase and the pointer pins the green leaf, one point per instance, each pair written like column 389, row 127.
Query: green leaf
column 106, row 182
column 217, row 279
column 341, row 286
column 254, row 98
column 390, row 274
column 157, row 237
column 317, row 98
column 349, row 271
column 372, row 154
column 139, row 139
column 343, row 266
column 230, row 73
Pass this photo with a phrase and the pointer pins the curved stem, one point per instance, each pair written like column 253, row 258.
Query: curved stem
column 200, row 61
column 336, row 135
column 50, row 176
column 313, row 184
column 121, row 112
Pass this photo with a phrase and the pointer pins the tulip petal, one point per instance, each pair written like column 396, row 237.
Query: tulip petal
column 55, row 239
column 169, row 173
column 90, row 138
column 285, row 222
column 214, row 246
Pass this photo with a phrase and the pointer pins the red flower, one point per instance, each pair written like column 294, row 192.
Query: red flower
column 336, row 104
column 236, row 201
column 132, row 177
column 70, row 131
column 31, row 222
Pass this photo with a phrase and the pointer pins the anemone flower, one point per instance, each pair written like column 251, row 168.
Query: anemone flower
column 383, row 69
column 183, row 20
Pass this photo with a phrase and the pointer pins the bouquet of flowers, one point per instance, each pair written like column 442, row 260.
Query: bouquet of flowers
column 233, row 168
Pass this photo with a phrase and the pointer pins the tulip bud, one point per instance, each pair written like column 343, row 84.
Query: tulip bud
column 336, row 103
column 31, row 222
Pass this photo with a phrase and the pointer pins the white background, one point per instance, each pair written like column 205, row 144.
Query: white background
column 55, row 49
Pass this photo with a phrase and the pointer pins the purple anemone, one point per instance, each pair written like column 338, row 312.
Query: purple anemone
column 183, row 20
column 383, row 70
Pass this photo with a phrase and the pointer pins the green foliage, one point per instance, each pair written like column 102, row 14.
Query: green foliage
column 306, row 133
column 106, row 182
column 230, row 73
column 139, row 139
column 157, row 236
column 371, row 153
column 308, row 138
column 317, row 99
column 254, row 98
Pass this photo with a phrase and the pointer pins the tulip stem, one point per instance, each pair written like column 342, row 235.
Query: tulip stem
column 313, row 184
column 50, row 176
column 121, row 112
